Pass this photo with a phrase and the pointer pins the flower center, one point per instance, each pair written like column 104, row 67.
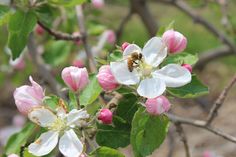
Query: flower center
column 58, row 125
column 145, row 69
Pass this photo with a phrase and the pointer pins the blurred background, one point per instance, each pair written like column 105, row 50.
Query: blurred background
column 209, row 25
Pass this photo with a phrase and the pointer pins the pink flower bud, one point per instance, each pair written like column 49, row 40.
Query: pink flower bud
column 18, row 64
column 105, row 116
column 175, row 41
column 106, row 79
column 75, row 78
column 124, row 45
column 39, row 30
column 26, row 97
column 98, row 3
column 158, row 105
column 78, row 63
column 111, row 36
column 12, row 155
column 209, row 154
column 82, row 155
column 188, row 67
column 19, row 120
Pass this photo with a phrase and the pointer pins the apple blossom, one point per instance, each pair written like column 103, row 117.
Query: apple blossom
column 26, row 97
column 78, row 63
column 175, row 41
column 158, row 105
column 18, row 63
column 39, row 30
column 188, row 67
column 152, row 82
column 124, row 45
column 105, row 115
column 106, row 79
column 75, row 78
column 98, row 3
column 60, row 130
column 111, row 36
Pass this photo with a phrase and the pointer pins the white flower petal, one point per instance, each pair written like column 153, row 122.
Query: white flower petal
column 70, row 145
column 130, row 49
column 42, row 116
column 44, row 144
column 174, row 75
column 151, row 87
column 154, row 51
column 75, row 115
column 123, row 75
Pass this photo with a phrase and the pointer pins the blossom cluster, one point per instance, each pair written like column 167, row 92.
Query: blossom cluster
column 140, row 69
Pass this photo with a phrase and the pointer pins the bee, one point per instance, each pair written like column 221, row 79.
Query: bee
column 132, row 60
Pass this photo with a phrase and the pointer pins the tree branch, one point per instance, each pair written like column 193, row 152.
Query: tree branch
column 220, row 101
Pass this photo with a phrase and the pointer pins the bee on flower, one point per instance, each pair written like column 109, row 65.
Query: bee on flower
column 141, row 67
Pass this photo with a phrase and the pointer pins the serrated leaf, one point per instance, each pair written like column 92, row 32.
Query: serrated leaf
column 114, row 136
column 20, row 25
column 106, row 152
column 192, row 90
column 148, row 132
column 91, row 92
column 19, row 139
column 5, row 13
column 181, row 58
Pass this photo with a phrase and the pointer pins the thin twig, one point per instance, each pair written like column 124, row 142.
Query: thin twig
column 220, row 101
column 83, row 31
column 183, row 138
column 60, row 35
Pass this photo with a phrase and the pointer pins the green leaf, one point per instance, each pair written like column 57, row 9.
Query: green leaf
column 73, row 101
column 162, row 29
column 52, row 102
column 5, row 13
column 127, row 107
column 106, row 152
column 114, row 136
column 192, row 90
column 20, row 25
column 91, row 92
column 148, row 132
column 181, row 58
column 67, row 3
column 19, row 139
column 115, row 56
column 57, row 52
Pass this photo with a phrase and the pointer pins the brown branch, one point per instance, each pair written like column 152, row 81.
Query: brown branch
column 184, row 7
column 140, row 7
column 59, row 35
column 120, row 29
column 43, row 71
column 211, row 55
column 80, row 17
column 183, row 138
column 201, row 124
column 220, row 101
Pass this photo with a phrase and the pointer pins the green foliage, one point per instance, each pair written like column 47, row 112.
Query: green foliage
column 5, row 13
column 181, row 58
column 67, row 3
column 106, row 152
column 148, row 132
column 162, row 29
column 73, row 101
column 191, row 90
column 114, row 136
column 52, row 102
column 20, row 25
column 116, row 55
column 19, row 139
column 57, row 52
column 91, row 92
column 118, row 135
